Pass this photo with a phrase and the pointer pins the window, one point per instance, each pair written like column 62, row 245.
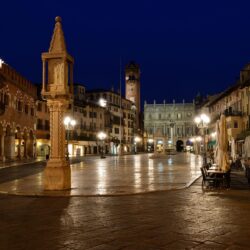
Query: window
column 19, row 105
column 159, row 116
column 26, row 109
column 235, row 124
column 39, row 124
column 46, row 125
column 39, row 106
column 116, row 130
column 6, row 99
column 32, row 111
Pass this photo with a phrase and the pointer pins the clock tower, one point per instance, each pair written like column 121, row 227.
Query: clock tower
column 132, row 79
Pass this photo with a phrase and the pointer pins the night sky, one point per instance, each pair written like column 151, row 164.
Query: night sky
column 183, row 47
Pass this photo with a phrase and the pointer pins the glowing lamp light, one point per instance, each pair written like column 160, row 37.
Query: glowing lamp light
column 137, row 139
column 1, row 63
column 72, row 123
column 213, row 135
column 102, row 102
column 150, row 140
column 197, row 120
column 101, row 136
column 202, row 120
column 67, row 121
column 198, row 139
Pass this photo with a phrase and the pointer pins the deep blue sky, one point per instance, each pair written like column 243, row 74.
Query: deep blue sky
column 182, row 46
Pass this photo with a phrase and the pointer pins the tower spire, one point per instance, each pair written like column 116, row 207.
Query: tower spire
column 57, row 44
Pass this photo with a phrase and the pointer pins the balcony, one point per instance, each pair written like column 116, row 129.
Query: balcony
column 231, row 112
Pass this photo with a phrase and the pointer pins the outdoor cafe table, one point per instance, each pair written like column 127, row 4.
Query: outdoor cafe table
column 216, row 171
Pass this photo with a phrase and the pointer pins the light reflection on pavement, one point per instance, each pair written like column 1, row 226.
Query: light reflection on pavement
column 131, row 174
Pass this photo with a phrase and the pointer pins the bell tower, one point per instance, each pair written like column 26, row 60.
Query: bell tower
column 57, row 89
column 133, row 88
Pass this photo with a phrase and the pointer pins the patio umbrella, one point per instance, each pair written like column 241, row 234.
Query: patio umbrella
column 247, row 147
column 222, row 158
column 217, row 129
column 233, row 153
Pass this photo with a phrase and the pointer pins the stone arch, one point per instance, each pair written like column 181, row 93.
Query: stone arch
column 18, row 141
column 179, row 145
column 31, row 144
column 2, row 142
column 25, row 138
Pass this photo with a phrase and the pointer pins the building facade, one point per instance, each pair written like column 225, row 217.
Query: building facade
column 235, row 104
column 42, row 126
column 168, row 126
column 17, row 118
column 120, row 120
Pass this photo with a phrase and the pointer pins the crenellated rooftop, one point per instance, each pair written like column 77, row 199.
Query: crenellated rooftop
column 21, row 82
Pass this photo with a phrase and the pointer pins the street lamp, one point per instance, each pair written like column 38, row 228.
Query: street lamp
column 202, row 122
column 102, row 102
column 69, row 125
column 150, row 142
column 136, row 140
column 102, row 136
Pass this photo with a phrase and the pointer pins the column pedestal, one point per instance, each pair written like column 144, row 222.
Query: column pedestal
column 57, row 175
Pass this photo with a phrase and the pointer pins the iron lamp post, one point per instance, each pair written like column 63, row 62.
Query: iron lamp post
column 136, row 140
column 202, row 122
column 102, row 136
column 69, row 124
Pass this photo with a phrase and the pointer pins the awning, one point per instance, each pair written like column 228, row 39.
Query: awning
column 211, row 143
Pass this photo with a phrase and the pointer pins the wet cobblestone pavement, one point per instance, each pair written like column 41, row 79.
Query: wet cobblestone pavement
column 131, row 174
column 183, row 219
column 179, row 219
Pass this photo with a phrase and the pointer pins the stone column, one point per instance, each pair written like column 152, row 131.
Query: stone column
column 19, row 148
column 57, row 172
column 30, row 148
column 25, row 155
column 2, row 155
column 9, row 149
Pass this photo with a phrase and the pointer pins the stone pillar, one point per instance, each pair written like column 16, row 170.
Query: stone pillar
column 2, row 155
column 30, row 148
column 19, row 148
column 56, row 90
column 25, row 155
column 57, row 172
column 9, row 149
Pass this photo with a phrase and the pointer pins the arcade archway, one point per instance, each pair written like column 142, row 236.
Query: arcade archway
column 179, row 146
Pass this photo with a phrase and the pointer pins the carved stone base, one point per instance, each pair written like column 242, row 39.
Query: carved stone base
column 57, row 175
